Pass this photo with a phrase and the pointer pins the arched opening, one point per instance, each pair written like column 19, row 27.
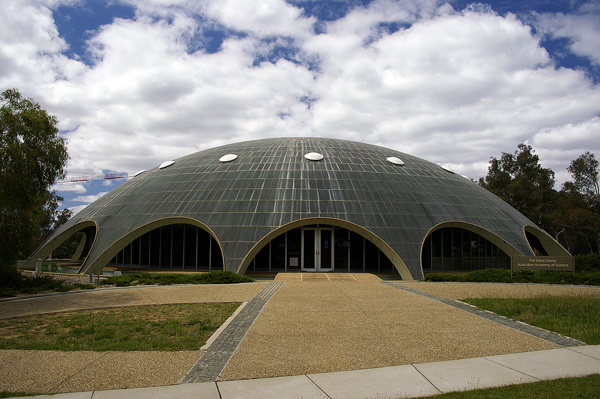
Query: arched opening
column 457, row 246
column 542, row 244
column 179, row 246
column 323, row 245
column 84, row 232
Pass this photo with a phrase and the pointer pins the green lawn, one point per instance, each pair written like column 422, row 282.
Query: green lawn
column 140, row 328
column 577, row 317
column 582, row 387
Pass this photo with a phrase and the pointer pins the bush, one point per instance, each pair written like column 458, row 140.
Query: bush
column 499, row 275
column 587, row 263
column 520, row 276
column 212, row 277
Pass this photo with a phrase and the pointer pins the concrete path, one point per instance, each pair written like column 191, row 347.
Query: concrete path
column 406, row 381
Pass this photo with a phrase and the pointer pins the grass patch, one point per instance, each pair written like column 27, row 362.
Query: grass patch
column 580, row 387
column 574, row 316
column 139, row 328
column 212, row 277
column 520, row 276
column 6, row 394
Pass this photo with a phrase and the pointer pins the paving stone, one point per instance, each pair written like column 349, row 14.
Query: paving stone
column 387, row 382
column 469, row 374
column 549, row 364
column 276, row 388
column 190, row 391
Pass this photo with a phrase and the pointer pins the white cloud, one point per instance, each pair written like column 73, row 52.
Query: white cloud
column 261, row 17
column 452, row 87
column 88, row 198
column 582, row 30
column 70, row 187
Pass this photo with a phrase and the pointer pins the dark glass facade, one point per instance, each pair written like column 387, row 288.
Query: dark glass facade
column 456, row 249
column 321, row 248
column 177, row 246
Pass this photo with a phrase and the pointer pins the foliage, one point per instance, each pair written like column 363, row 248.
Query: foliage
column 577, row 317
column 585, row 171
column 572, row 215
column 140, row 328
column 68, row 247
column 591, row 277
column 587, row 262
column 212, row 277
column 20, row 284
column 521, row 181
column 52, row 218
column 577, row 216
column 32, row 157
column 579, row 387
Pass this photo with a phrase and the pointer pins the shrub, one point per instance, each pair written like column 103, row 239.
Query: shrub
column 520, row 276
column 587, row 263
column 212, row 277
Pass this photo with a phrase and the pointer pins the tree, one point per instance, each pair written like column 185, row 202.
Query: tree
column 577, row 216
column 584, row 171
column 32, row 157
column 52, row 218
column 521, row 181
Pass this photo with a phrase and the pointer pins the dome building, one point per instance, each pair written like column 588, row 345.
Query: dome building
column 300, row 204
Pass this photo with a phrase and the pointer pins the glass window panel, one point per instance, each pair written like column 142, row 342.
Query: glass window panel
column 294, row 249
column 371, row 257
column 262, row 259
column 177, row 254
column 356, row 252
column 135, row 252
column 278, row 253
column 216, row 257
column 190, row 247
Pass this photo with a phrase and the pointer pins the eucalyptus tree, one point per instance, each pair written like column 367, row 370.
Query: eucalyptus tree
column 32, row 157
column 520, row 180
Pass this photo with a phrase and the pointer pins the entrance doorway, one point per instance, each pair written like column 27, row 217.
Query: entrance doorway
column 317, row 249
column 321, row 248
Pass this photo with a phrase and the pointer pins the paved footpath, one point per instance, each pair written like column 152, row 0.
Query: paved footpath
column 326, row 335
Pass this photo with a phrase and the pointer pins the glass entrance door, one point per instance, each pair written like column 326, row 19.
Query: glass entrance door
column 317, row 248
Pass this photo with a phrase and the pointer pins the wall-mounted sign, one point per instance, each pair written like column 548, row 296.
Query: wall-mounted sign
column 556, row 263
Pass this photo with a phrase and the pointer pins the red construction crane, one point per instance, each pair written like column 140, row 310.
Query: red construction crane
column 93, row 176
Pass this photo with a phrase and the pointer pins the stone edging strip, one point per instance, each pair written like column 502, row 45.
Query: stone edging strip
column 218, row 354
column 216, row 334
column 486, row 314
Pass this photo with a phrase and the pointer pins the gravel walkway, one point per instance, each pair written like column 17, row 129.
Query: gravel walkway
column 320, row 325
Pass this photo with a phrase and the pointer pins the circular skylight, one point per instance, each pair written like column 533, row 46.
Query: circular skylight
column 228, row 158
column 313, row 156
column 166, row 164
column 395, row 160
column 139, row 172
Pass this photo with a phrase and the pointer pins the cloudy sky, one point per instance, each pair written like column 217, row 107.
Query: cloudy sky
column 137, row 82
